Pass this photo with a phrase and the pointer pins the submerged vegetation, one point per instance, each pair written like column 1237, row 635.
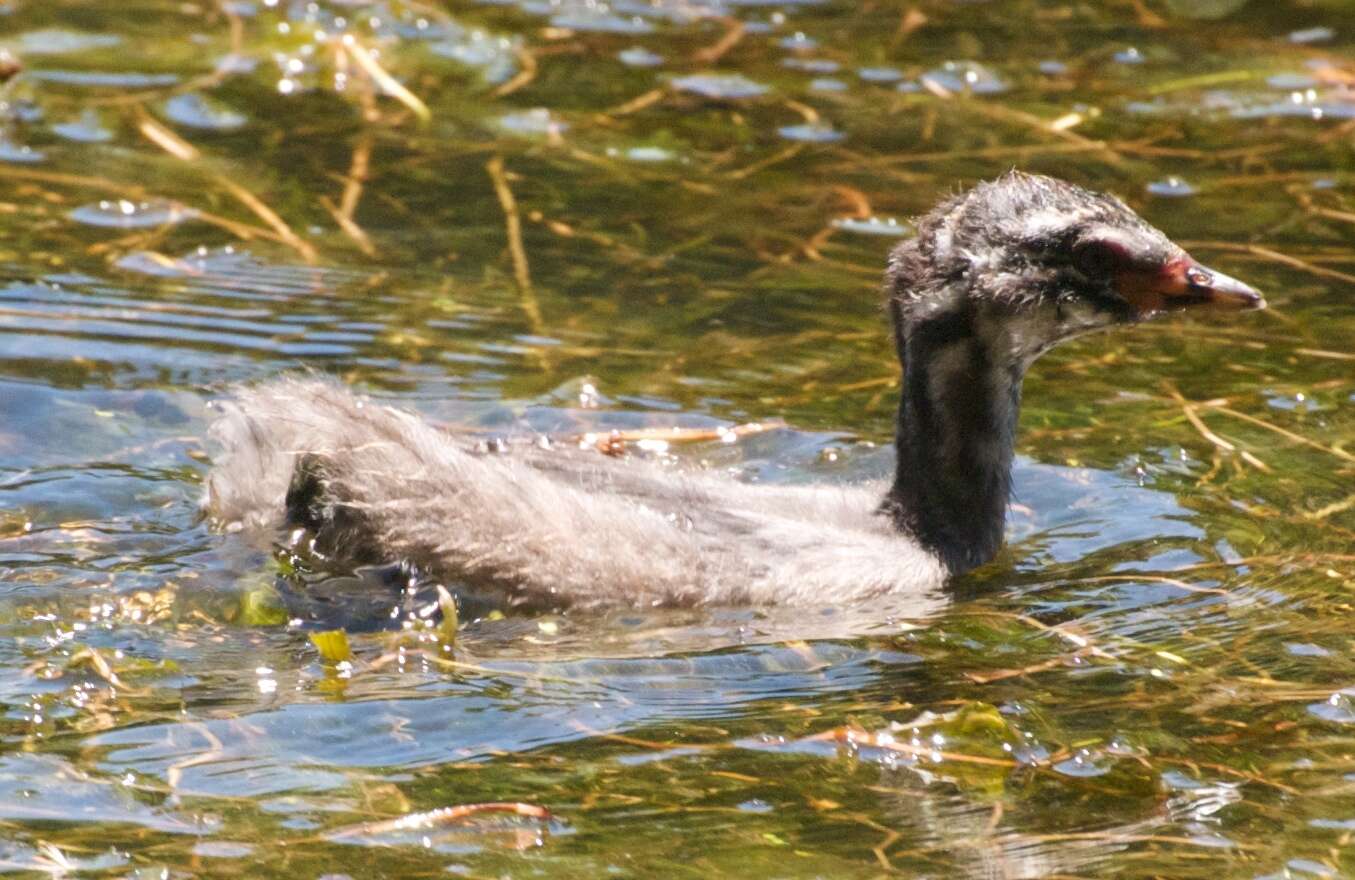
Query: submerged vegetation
column 651, row 227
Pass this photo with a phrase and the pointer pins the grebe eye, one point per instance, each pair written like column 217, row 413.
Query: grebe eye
column 1100, row 257
column 1199, row 278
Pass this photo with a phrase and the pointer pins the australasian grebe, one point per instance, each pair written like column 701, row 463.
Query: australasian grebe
column 994, row 277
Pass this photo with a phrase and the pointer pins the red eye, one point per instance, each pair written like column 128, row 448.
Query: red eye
column 1199, row 278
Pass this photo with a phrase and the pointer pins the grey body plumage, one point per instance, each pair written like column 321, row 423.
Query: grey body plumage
column 994, row 277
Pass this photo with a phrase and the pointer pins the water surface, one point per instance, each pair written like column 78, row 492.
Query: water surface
column 1156, row 679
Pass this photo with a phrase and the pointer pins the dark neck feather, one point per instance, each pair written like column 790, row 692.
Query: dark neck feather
column 957, row 424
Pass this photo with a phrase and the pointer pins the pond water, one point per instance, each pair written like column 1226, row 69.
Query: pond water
column 561, row 216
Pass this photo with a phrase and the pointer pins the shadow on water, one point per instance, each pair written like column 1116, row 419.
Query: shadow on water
column 526, row 218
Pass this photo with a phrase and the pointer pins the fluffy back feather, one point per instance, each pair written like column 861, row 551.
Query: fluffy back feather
column 551, row 528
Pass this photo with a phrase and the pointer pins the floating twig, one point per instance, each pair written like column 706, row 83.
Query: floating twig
column 613, row 442
column 1204, row 81
column 1273, row 256
column 387, row 83
column 513, row 227
column 352, row 194
column 762, row 164
column 1147, row 17
column 1003, row 152
column 523, row 77
column 245, row 231
column 808, row 113
column 57, row 178
column 351, row 229
column 910, row 21
column 165, row 139
column 1038, row 124
column 855, row 736
column 269, row 217
column 1283, row 432
column 357, row 176
column 179, row 148
column 216, row 751
column 1331, row 509
column 440, row 817
column 1188, row 409
column 564, row 230
column 1044, row 666
column 1137, row 148
column 859, row 209
column 1153, row 579
column 634, row 105
column 734, row 31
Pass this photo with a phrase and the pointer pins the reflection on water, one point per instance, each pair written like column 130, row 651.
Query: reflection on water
column 1153, row 681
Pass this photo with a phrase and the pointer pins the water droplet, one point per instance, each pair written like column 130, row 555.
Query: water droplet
column 1312, row 35
column 236, row 65
column 105, row 79
column 753, row 26
column 196, row 111
column 424, row 29
column 1178, row 781
column 827, row 84
column 1053, row 68
column 1334, row 824
column 1291, row 401
column 496, row 57
column 126, row 214
column 812, row 65
column 1339, row 708
column 1083, row 764
column 1288, row 81
column 814, row 133
column 966, row 76
column 873, row 226
column 650, row 154
column 55, row 41
column 880, row 74
column 598, row 20
column 21, row 154
column 1129, row 56
column 799, row 42
column 88, row 129
column 537, row 121
column 1030, row 754
column 636, row 56
column 1308, row 867
column 21, row 110
column 1171, row 187
column 720, row 86
column 1122, row 748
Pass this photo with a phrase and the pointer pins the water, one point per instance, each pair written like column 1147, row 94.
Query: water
column 1153, row 680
